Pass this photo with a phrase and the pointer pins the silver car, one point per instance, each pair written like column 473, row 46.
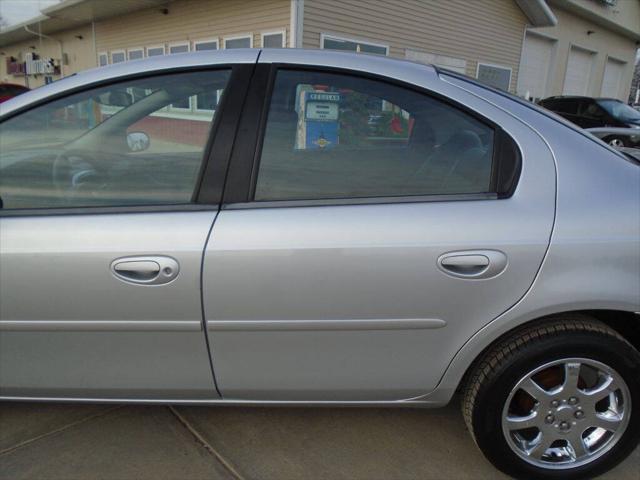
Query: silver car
column 232, row 228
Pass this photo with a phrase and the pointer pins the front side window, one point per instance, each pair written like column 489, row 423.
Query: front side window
column 339, row 136
column 209, row 100
column 186, row 103
column 110, row 146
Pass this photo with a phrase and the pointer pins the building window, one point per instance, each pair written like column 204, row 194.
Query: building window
column 206, row 102
column 330, row 42
column 118, row 56
column 495, row 76
column 178, row 48
column 201, row 45
column 135, row 53
column 155, row 51
column 454, row 64
column 244, row 41
column 103, row 59
column 273, row 39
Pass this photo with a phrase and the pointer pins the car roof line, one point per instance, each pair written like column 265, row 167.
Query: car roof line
column 532, row 106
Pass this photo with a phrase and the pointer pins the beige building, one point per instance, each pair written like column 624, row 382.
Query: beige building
column 532, row 47
column 591, row 51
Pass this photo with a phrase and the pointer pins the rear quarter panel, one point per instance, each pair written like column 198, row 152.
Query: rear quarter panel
column 593, row 261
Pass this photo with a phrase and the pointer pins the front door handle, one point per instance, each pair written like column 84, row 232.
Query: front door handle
column 152, row 270
column 473, row 264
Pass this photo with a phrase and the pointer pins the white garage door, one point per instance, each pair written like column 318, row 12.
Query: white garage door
column 612, row 80
column 576, row 80
column 534, row 67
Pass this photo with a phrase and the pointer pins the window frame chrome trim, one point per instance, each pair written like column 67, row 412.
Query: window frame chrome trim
column 336, row 202
column 234, row 199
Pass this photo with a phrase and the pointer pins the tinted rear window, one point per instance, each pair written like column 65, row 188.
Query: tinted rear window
column 562, row 106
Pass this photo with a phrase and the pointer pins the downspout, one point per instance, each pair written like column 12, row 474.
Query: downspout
column 296, row 20
column 95, row 45
column 524, row 39
column 293, row 23
column 59, row 42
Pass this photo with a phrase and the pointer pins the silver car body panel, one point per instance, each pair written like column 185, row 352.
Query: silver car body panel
column 303, row 286
column 69, row 327
column 593, row 261
column 308, row 310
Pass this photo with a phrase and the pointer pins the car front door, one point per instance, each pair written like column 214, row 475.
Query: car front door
column 102, row 233
column 373, row 230
column 592, row 115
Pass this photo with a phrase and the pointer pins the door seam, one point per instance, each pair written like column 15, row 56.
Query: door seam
column 206, row 243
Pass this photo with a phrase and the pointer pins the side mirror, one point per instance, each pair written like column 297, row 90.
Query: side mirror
column 138, row 141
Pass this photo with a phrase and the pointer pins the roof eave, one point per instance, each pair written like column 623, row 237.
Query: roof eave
column 538, row 13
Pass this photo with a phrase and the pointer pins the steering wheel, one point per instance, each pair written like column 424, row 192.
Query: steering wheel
column 71, row 170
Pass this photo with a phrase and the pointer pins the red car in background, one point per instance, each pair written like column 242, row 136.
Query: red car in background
column 10, row 90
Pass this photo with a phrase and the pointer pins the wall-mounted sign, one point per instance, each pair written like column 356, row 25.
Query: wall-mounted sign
column 33, row 65
column 36, row 65
column 14, row 67
column 494, row 76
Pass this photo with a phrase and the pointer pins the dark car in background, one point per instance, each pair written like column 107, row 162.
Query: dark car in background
column 588, row 112
column 10, row 90
column 625, row 139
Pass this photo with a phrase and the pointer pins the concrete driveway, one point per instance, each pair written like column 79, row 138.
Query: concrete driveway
column 47, row 441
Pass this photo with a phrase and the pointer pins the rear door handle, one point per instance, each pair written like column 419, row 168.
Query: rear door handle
column 473, row 264
column 152, row 270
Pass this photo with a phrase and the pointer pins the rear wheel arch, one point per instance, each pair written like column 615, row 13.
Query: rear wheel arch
column 625, row 323
column 537, row 345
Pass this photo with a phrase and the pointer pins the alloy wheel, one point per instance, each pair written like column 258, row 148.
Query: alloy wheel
column 566, row 413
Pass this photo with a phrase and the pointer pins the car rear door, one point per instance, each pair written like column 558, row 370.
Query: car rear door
column 101, row 243
column 369, row 229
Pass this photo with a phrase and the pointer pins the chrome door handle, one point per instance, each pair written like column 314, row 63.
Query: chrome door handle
column 473, row 264
column 152, row 270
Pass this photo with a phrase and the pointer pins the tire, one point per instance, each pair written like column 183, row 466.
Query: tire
column 571, row 343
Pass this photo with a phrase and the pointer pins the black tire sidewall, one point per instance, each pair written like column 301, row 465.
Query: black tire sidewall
column 491, row 398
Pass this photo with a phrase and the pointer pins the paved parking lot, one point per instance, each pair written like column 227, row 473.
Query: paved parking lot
column 47, row 441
